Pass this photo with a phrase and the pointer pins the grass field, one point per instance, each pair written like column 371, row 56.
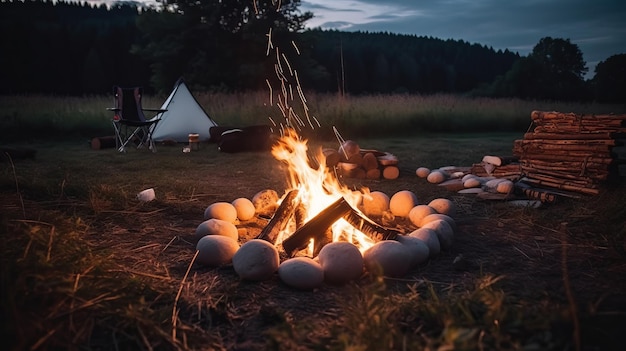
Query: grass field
column 86, row 266
column 28, row 117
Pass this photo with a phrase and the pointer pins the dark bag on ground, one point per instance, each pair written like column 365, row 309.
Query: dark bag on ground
column 253, row 138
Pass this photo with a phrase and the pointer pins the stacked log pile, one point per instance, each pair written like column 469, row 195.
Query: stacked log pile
column 570, row 151
column 363, row 164
column 497, row 166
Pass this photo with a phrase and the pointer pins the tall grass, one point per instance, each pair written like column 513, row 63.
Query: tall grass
column 22, row 116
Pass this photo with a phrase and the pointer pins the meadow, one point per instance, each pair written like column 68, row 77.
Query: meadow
column 84, row 265
column 356, row 116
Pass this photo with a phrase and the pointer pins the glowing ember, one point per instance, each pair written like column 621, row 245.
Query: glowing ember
column 317, row 188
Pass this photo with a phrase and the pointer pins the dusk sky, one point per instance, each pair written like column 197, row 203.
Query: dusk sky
column 598, row 27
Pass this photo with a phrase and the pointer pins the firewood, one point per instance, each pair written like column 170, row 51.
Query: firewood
column 391, row 172
column 572, row 136
column 99, row 143
column 316, row 227
column 321, row 241
column 332, row 157
column 369, row 161
column 499, row 160
column 356, row 159
column 373, row 174
column 369, row 227
column 588, row 191
column 282, row 216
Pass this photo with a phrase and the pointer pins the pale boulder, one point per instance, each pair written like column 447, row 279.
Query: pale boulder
column 302, row 273
column 444, row 231
column 216, row 250
column 375, row 203
column 436, row 177
column 422, row 172
column 265, row 202
column 244, row 207
column 429, row 237
column 402, row 202
column 217, row 227
column 419, row 250
column 443, row 206
column 472, row 182
column 437, row 216
column 256, row 260
column 341, row 261
column 389, row 258
column 418, row 213
column 221, row 210
column 505, row 187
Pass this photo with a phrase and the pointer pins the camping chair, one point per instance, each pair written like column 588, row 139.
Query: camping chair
column 129, row 121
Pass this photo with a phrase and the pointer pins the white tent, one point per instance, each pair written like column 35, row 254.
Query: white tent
column 184, row 116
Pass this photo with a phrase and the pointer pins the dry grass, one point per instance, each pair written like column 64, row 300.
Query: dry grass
column 28, row 117
column 84, row 265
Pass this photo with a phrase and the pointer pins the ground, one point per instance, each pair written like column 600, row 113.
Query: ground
column 563, row 255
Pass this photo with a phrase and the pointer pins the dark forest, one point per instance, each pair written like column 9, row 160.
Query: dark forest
column 71, row 48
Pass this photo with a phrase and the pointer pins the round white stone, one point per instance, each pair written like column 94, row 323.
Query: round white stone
column 436, row 177
column 443, row 206
column 244, row 207
column 375, row 203
column 221, row 210
column 256, row 260
column 437, row 216
column 418, row 213
column 422, row 172
column 468, row 176
column 444, row 231
column 342, row 262
column 472, row 182
column 216, row 250
column 265, row 201
column 389, row 258
column 402, row 202
column 505, row 187
column 419, row 250
column 492, row 184
column 301, row 273
column 429, row 237
column 217, row 227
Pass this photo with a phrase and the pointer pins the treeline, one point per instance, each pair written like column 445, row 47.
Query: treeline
column 72, row 48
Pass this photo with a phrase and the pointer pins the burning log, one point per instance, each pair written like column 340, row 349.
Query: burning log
column 369, row 227
column 317, row 227
column 282, row 216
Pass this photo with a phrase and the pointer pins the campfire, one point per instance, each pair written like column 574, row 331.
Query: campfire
column 318, row 231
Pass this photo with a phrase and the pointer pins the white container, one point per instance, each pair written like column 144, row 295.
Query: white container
column 146, row 195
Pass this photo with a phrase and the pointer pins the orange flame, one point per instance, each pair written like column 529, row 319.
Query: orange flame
column 317, row 188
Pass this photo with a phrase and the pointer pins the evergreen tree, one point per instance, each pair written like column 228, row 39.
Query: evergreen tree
column 609, row 82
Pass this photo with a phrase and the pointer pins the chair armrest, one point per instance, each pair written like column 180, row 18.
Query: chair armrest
column 115, row 109
column 154, row 109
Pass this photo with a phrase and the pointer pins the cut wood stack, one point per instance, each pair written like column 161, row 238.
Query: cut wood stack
column 366, row 164
column 498, row 166
column 570, row 151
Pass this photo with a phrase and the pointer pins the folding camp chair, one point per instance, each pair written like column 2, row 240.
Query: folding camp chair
column 130, row 122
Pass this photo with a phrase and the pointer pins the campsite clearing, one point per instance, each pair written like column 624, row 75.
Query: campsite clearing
column 87, row 265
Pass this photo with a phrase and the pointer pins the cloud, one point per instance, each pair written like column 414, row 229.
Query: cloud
column 597, row 27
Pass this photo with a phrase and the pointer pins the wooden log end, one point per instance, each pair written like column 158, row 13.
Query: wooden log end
column 391, row 172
